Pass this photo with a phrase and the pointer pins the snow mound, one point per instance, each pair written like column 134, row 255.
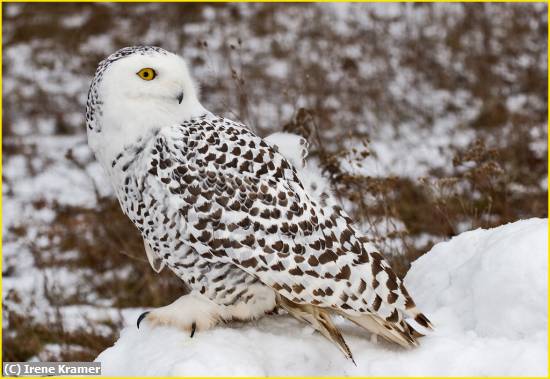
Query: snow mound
column 485, row 291
column 494, row 282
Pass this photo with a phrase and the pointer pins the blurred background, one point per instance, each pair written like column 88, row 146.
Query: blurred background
column 429, row 120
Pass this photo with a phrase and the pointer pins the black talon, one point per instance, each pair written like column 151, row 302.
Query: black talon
column 193, row 328
column 141, row 317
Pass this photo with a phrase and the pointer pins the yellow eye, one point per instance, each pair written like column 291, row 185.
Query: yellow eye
column 147, row 74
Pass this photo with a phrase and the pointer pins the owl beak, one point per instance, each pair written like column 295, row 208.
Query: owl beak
column 180, row 98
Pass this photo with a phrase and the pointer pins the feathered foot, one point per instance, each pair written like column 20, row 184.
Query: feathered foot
column 191, row 313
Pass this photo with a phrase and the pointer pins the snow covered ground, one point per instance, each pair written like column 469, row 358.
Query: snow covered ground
column 485, row 291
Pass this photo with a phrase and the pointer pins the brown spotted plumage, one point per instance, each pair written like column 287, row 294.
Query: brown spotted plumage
column 248, row 225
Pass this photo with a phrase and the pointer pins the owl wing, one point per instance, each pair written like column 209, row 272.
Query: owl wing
column 244, row 205
column 293, row 147
column 157, row 263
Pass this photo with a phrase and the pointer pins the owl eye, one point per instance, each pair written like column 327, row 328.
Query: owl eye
column 147, row 73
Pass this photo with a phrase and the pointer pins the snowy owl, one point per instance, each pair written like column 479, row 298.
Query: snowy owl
column 226, row 211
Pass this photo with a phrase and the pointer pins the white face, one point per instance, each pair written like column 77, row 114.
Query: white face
column 157, row 80
column 137, row 93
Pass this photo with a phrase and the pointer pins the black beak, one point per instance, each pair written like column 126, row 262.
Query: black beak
column 180, row 97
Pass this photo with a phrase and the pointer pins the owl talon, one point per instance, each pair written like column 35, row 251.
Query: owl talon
column 141, row 317
column 190, row 313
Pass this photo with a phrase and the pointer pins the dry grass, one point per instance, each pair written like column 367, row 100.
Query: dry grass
column 118, row 271
column 28, row 337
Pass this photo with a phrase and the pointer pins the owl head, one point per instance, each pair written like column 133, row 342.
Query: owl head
column 137, row 89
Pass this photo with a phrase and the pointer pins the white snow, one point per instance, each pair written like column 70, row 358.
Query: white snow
column 485, row 291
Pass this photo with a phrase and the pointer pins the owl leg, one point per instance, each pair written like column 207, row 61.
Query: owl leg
column 191, row 313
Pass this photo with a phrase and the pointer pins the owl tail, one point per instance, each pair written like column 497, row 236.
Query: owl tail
column 400, row 332
column 319, row 319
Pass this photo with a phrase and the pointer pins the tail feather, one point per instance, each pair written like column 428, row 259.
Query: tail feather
column 413, row 332
column 318, row 318
column 423, row 320
column 400, row 333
